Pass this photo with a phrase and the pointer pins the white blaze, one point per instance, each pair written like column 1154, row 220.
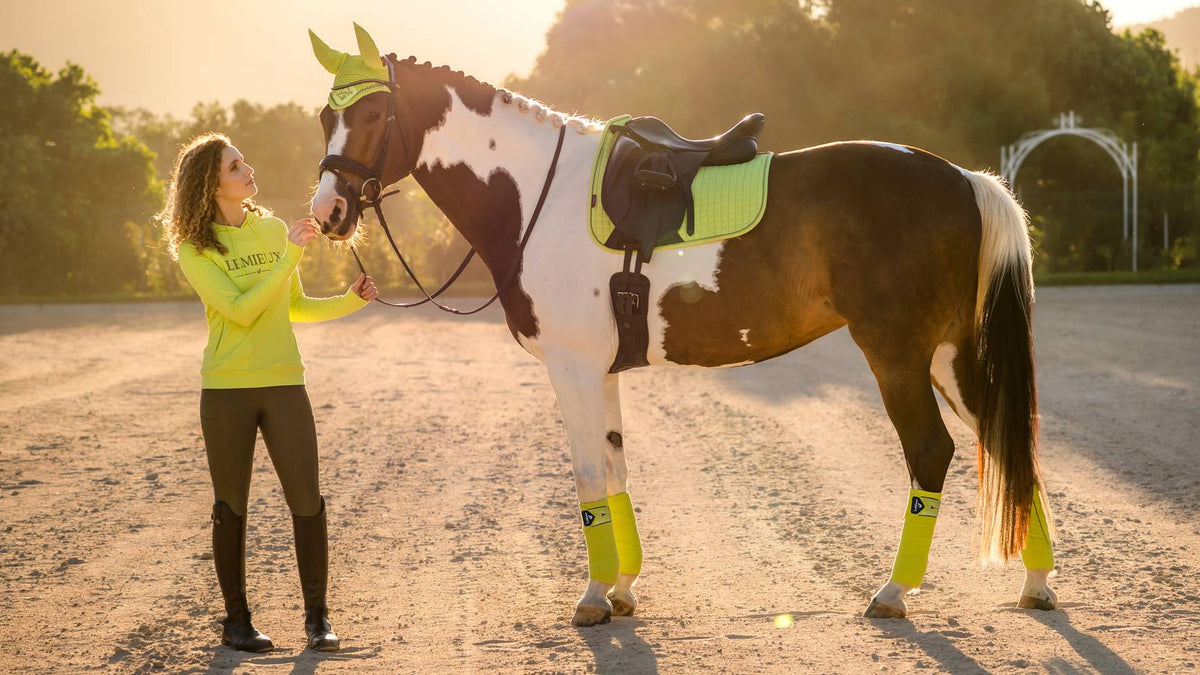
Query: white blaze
column 322, row 202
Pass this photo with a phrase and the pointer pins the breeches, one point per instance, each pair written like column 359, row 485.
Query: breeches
column 231, row 419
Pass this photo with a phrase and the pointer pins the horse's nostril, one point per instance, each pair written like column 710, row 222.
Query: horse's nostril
column 336, row 216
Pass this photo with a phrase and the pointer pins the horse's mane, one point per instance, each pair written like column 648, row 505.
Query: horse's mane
column 471, row 89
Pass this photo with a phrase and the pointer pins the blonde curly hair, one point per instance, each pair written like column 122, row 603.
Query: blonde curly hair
column 191, row 205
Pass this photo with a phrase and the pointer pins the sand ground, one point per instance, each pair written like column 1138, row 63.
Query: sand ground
column 777, row 488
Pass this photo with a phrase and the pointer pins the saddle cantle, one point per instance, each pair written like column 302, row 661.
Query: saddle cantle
column 646, row 192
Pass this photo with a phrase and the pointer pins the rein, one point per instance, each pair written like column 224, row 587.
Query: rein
column 336, row 164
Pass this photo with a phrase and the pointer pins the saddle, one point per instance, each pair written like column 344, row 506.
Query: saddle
column 647, row 188
column 647, row 192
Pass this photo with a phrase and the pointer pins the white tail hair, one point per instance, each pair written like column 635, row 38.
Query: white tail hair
column 1005, row 237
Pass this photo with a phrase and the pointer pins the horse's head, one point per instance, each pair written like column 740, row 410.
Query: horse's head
column 366, row 143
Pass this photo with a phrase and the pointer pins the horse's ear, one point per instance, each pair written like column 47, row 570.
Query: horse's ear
column 366, row 46
column 329, row 57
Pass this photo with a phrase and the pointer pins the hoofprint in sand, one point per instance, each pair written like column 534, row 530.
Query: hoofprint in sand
column 765, row 500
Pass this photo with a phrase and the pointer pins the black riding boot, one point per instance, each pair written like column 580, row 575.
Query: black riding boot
column 229, row 554
column 312, row 559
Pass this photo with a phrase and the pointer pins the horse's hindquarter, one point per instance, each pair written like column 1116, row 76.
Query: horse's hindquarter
column 876, row 236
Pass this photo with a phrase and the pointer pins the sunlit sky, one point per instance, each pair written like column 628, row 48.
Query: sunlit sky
column 165, row 55
column 1126, row 12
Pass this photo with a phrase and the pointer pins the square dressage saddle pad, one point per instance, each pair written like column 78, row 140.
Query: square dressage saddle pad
column 729, row 200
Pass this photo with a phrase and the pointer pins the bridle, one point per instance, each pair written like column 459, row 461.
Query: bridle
column 373, row 178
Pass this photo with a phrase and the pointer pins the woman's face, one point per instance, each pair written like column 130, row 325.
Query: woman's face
column 236, row 177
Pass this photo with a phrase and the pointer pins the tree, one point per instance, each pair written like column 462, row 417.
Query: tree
column 959, row 82
column 74, row 194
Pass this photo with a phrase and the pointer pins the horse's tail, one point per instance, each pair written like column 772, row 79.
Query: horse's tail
column 1006, row 388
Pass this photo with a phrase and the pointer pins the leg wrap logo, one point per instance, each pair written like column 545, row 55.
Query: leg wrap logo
column 596, row 515
column 925, row 506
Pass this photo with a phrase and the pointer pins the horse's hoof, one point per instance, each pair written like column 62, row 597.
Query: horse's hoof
column 623, row 602
column 1033, row 602
column 591, row 616
column 878, row 610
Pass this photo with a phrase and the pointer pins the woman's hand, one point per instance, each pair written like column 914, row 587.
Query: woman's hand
column 365, row 288
column 303, row 231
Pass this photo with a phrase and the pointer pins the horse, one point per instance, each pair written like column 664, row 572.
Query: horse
column 927, row 264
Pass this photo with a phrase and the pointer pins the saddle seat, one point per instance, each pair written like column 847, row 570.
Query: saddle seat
column 735, row 146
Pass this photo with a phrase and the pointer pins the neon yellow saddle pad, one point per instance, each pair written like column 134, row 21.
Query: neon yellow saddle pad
column 729, row 200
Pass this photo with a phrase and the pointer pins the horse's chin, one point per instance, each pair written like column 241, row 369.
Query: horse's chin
column 345, row 232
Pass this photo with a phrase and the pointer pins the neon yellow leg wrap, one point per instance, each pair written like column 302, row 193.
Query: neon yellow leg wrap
column 1038, row 553
column 601, row 545
column 913, row 555
column 629, row 545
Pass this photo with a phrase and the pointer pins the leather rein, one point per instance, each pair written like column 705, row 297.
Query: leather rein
column 373, row 178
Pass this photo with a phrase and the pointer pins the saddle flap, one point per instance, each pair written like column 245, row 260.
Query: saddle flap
column 641, row 193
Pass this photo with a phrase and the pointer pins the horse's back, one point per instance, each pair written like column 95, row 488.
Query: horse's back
column 878, row 235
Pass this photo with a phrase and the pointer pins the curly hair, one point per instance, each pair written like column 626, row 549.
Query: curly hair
column 191, row 205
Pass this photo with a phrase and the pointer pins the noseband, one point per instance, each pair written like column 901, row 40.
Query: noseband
column 373, row 177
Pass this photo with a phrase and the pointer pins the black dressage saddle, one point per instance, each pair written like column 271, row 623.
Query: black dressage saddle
column 647, row 193
column 647, row 186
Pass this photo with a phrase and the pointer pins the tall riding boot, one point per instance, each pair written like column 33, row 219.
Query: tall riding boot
column 229, row 554
column 312, row 559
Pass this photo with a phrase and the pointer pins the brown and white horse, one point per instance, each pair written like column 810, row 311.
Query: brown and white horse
column 927, row 264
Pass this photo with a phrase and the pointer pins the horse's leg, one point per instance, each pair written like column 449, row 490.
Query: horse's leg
column 629, row 545
column 953, row 372
column 579, row 387
column 1038, row 557
column 908, row 397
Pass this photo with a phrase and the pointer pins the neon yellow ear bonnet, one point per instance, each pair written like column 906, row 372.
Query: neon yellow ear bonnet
column 347, row 69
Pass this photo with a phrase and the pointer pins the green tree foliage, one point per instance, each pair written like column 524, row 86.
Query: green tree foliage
column 74, row 195
column 958, row 79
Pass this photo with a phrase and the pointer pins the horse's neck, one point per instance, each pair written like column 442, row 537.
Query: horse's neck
column 486, row 172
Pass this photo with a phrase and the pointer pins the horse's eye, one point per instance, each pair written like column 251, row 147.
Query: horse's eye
column 373, row 117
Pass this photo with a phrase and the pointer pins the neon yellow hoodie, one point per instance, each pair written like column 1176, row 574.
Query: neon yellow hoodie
column 251, row 295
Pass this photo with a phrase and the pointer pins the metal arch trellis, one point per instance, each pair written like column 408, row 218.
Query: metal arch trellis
column 1013, row 156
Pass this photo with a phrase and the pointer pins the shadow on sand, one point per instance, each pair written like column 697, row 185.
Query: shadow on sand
column 618, row 648
column 303, row 661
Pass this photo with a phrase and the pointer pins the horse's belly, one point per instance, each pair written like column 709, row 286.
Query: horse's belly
column 728, row 305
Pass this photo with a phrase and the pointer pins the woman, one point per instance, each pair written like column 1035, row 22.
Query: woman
column 242, row 262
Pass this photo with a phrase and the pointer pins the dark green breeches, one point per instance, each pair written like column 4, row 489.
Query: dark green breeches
column 231, row 419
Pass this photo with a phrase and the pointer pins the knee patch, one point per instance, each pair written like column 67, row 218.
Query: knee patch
column 601, row 543
column 912, row 557
column 629, row 545
column 1038, row 553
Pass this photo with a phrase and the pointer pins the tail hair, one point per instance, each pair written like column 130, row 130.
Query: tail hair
column 1006, row 391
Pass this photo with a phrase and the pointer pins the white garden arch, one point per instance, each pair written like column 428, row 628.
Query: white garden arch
column 1013, row 156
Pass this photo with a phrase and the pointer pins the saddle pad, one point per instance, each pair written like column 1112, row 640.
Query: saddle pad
column 729, row 200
